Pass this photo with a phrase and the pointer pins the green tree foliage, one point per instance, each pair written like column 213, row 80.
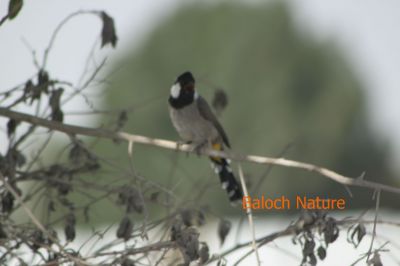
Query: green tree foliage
column 284, row 88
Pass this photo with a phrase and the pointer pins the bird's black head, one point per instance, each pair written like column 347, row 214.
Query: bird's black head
column 185, row 78
column 182, row 91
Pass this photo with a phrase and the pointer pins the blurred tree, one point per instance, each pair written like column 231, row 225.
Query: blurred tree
column 283, row 87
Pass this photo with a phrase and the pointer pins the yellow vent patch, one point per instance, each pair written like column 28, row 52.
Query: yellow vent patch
column 217, row 147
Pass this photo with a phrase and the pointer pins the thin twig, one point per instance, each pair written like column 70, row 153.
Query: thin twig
column 57, row 30
column 3, row 19
column 250, row 217
column 33, row 52
column 367, row 254
column 378, row 198
column 258, row 185
column 139, row 186
column 151, row 247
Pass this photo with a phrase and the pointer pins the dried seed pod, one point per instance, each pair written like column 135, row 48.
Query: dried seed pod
column 135, row 203
column 14, row 7
column 176, row 229
column 62, row 182
column 43, row 81
column 7, row 202
column 69, row 228
column 122, row 119
column 3, row 234
column 188, row 241
column 220, row 100
column 11, row 127
column 55, row 97
column 224, row 227
column 127, row 262
column 15, row 157
column 187, row 216
column 108, row 33
column 356, row 233
column 375, row 260
column 52, row 236
column 130, row 197
column 125, row 228
column 330, row 231
column 321, row 251
column 57, row 115
column 37, row 240
column 308, row 247
column 76, row 154
column 204, row 253
column 28, row 89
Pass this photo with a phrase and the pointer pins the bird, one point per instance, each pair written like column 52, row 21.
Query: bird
column 196, row 124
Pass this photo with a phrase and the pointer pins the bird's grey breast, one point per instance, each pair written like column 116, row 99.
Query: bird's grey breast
column 191, row 126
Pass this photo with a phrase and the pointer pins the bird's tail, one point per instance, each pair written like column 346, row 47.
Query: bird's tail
column 228, row 180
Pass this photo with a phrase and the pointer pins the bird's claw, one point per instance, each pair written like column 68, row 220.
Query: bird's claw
column 179, row 143
column 200, row 147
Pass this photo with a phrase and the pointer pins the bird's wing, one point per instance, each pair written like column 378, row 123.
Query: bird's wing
column 207, row 114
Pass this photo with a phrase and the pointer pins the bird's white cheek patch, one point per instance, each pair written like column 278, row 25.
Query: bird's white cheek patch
column 175, row 90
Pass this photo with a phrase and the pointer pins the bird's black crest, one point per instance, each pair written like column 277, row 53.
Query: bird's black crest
column 185, row 78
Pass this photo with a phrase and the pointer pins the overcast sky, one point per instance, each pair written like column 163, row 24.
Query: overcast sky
column 367, row 30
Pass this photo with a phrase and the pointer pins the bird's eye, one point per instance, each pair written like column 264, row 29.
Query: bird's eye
column 188, row 87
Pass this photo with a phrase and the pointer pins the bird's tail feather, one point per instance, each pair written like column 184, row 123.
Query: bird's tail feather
column 226, row 176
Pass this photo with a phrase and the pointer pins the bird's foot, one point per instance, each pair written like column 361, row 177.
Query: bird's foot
column 179, row 143
column 199, row 148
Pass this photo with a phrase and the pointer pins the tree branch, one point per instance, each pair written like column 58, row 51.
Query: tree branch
column 166, row 144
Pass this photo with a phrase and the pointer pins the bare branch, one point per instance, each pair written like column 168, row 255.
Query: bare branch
column 151, row 247
column 166, row 144
column 3, row 19
column 57, row 30
column 250, row 217
column 377, row 194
